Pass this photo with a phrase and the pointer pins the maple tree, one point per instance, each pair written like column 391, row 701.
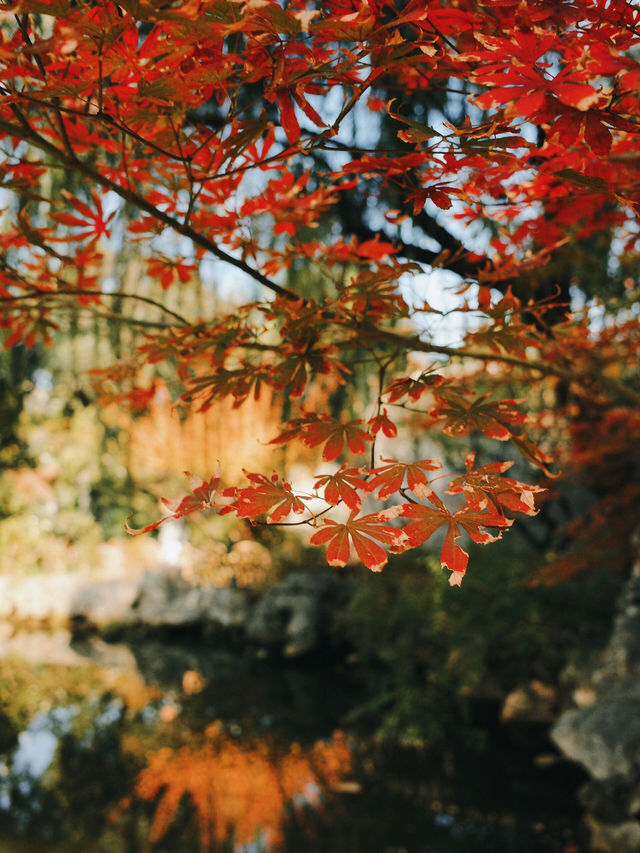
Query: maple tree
column 243, row 128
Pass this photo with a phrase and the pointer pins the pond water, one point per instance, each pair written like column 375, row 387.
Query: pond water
column 177, row 748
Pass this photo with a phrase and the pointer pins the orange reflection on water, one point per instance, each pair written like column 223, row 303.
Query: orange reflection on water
column 240, row 792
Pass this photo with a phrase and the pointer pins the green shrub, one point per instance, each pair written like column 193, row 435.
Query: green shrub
column 428, row 649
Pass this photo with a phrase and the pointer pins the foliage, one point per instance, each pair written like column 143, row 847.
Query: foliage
column 28, row 688
column 192, row 128
column 61, row 509
column 426, row 658
column 48, row 516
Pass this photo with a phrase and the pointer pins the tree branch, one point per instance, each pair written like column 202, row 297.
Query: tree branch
column 29, row 135
column 26, row 133
column 120, row 318
column 415, row 343
column 49, row 294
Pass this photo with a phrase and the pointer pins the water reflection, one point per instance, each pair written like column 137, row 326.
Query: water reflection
column 167, row 748
column 159, row 747
column 241, row 794
column 37, row 746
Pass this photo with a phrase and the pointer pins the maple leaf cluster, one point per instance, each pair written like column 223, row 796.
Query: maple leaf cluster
column 194, row 130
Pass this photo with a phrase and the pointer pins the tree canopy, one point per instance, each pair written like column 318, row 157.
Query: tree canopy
column 321, row 158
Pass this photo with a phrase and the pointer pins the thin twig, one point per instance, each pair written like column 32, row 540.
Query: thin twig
column 120, row 318
column 49, row 294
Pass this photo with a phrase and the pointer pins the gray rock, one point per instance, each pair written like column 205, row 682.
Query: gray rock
column 224, row 607
column 105, row 603
column 298, row 614
column 165, row 598
column 604, row 735
column 604, row 739
column 41, row 598
column 614, row 838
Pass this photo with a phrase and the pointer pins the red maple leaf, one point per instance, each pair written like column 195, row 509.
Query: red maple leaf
column 266, row 496
column 321, row 429
column 91, row 219
column 413, row 388
column 364, row 534
column 493, row 418
column 288, row 117
column 389, row 478
column 342, row 486
column 166, row 270
column 486, row 482
column 202, row 497
column 472, row 518
column 383, row 422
